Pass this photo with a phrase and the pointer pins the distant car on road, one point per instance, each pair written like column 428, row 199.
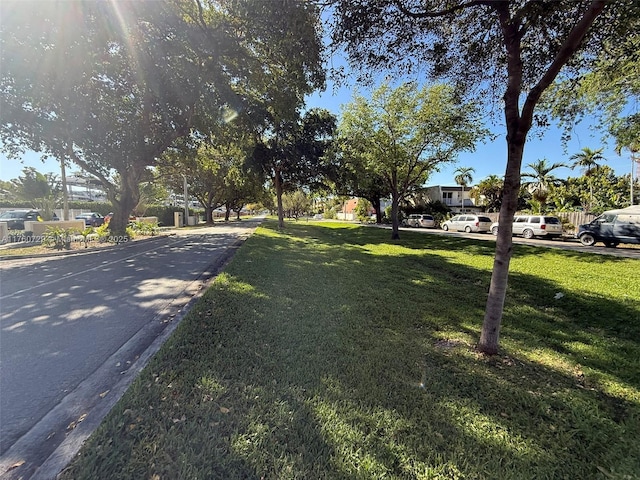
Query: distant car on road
column 420, row 220
column 530, row 226
column 468, row 223
column 15, row 218
column 91, row 219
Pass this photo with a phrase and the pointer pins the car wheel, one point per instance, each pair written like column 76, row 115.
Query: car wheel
column 494, row 230
column 587, row 240
column 467, row 229
column 528, row 234
column 445, row 228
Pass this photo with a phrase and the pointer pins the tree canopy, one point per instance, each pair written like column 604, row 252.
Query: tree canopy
column 290, row 154
column 115, row 91
column 403, row 135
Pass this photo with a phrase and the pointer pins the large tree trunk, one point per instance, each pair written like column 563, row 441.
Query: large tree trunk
column 395, row 224
column 375, row 201
column 490, row 335
column 278, row 184
column 129, row 198
column 518, row 126
column 65, row 192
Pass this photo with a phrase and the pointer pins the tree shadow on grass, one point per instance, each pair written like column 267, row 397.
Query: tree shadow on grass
column 312, row 357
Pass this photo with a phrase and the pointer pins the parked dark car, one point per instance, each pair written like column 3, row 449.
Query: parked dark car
column 612, row 228
column 91, row 219
column 15, row 218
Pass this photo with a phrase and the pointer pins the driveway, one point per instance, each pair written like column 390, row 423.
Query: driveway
column 76, row 330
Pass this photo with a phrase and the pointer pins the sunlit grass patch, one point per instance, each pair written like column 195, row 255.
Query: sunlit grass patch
column 329, row 351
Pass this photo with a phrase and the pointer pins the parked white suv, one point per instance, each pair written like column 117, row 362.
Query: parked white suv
column 468, row 223
column 420, row 220
column 530, row 226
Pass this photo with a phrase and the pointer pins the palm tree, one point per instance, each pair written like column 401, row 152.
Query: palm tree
column 588, row 160
column 463, row 178
column 542, row 179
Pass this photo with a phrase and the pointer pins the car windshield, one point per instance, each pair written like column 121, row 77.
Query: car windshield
column 605, row 218
column 484, row 219
column 552, row 220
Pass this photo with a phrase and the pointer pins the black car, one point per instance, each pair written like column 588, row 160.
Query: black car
column 91, row 219
column 15, row 218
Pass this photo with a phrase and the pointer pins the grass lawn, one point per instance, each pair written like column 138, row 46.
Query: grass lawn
column 330, row 352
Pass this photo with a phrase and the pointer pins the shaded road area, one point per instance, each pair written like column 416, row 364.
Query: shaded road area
column 75, row 330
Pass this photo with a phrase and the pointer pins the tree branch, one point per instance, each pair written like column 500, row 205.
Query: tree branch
column 568, row 48
column 440, row 13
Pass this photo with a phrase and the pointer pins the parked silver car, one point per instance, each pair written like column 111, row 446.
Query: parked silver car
column 468, row 223
column 530, row 226
column 420, row 220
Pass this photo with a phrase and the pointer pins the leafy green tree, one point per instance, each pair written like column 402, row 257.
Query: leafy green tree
column 363, row 209
column 241, row 186
column 130, row 79
column 43, row 191
column 353, row 175
column 291, row 154
column 213, row 169
column 403, row 135
column 295, row 204
column 608, row 90
column 489, row 192
column 506, row 51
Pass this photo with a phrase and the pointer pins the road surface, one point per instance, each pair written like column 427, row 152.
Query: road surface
column 623, row 250
column 75, row 330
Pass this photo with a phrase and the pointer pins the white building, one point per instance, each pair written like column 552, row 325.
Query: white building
column 457, row 198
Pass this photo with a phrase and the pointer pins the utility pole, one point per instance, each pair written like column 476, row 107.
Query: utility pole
column 633, row 167
column 186, row 201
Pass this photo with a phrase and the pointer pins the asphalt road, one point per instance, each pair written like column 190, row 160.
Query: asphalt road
column 623, row 250
column 75, row 331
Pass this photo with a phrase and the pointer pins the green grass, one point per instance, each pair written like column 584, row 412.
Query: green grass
column 329, row 352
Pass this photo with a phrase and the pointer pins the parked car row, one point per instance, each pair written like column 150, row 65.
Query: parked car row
column 530, row 226
column 612, row 228
column 419, row 220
